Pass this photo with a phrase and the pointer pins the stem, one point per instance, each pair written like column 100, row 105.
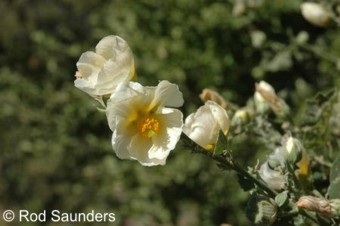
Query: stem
column 320, row 53
column 235, row 166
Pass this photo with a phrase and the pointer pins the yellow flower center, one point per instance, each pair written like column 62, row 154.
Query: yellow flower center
column 148, row 126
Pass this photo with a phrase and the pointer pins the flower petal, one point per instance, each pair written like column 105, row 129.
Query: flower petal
column 91, row 58
column 220, row 116
column 201, row 128
column 204, row 125
column 112, row 74
column 111, row 64
column 110, row 45
column 119, row 145
column 167, row 94
column 138, row 149
column 166, row 140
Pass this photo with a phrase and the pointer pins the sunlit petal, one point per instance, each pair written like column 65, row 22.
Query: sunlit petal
column 148, row 132
column 104, row 69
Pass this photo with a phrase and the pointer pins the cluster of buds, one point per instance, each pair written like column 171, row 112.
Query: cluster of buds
column 273, row 171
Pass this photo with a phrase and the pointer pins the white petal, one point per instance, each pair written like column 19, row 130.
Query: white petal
column 171, row 122
column 109, row 45
column 112, row 74
column 88, row 72
column 125, row 91
column 202, row 127
column 118, row 114
column 92, row 58
column 168, row 94
column 85, row 86
column 220, row 115
column 139, row 147
column 273, row 178
column 119, row 145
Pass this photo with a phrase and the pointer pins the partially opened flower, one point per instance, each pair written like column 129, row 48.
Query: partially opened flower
column 272, row 171
column 204, row 125
column 101, row 71
column 144, row 127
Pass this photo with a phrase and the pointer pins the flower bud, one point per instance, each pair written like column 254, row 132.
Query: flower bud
column 209, row 94
column 302, row 37
column 293, row 150
column 318, row 205
column 239, row 9
column 258, row 38
column 265, row 98
column 240, row 117
column 315, row 14
column 261, row 210
column 263, row 90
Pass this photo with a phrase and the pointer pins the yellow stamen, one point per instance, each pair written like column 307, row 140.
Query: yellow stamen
column 148, row 126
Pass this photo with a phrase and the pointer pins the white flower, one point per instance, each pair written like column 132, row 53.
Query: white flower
column 143, row 126
column 272, row 171
column 315, row 14
column 204, row 125
column 100, row 72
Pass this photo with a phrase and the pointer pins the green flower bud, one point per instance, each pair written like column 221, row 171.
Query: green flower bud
column 261, row 210
column 302, row 37
column 240, row 117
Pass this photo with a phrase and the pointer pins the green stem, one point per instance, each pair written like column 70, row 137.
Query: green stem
column 272, row 193
column 319, row 52
column 235, row 166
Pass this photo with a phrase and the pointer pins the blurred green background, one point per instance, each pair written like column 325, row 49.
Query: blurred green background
column 55, row 147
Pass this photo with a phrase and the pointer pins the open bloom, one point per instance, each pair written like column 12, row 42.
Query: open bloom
column 143, row 126
column 100, row 72
column 204, row 125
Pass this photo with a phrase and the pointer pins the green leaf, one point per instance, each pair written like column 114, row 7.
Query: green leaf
column 334, row 178
column 221, row 145
column 282, row 199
